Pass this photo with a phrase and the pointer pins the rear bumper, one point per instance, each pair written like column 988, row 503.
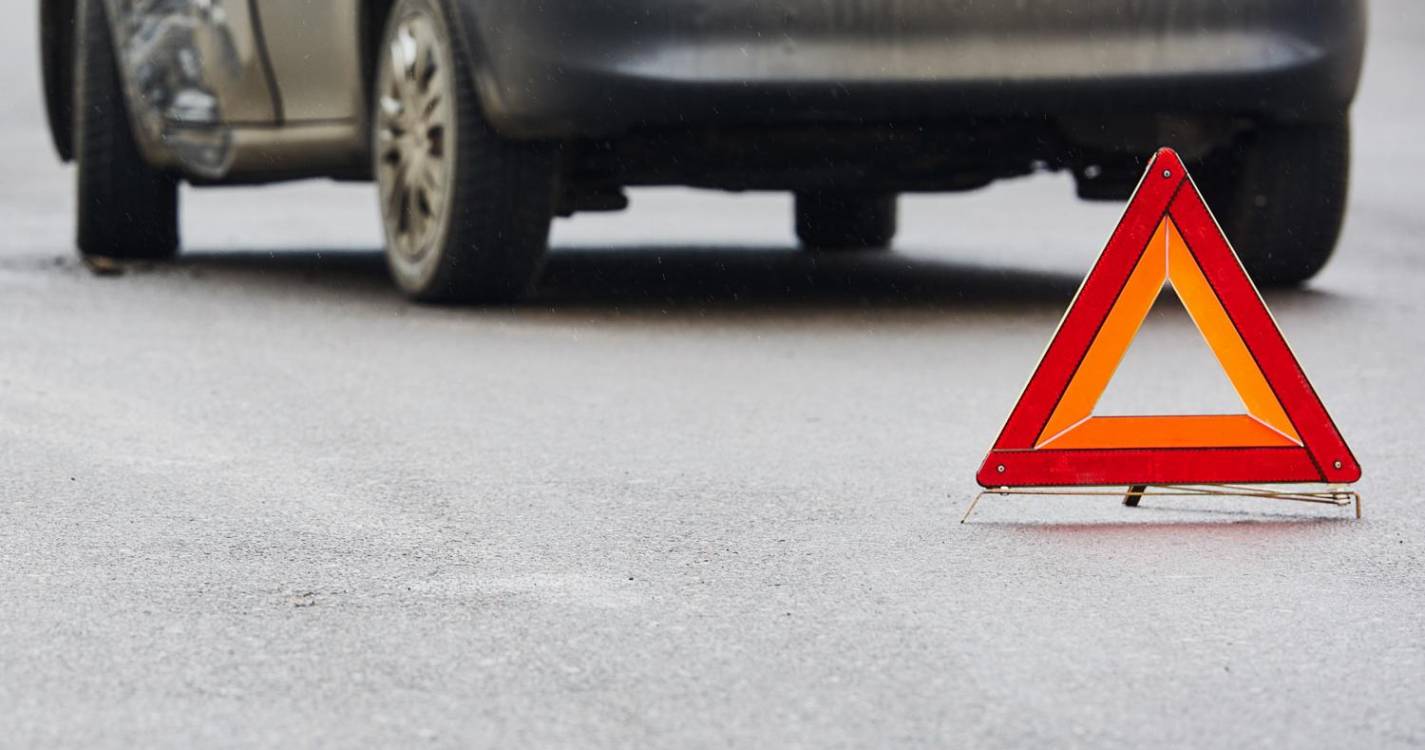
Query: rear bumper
column 600, row 67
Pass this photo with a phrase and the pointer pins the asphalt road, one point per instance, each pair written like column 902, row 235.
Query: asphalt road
column 703, row 491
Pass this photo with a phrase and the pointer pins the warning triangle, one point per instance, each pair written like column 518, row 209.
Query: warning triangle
column 1167, row 235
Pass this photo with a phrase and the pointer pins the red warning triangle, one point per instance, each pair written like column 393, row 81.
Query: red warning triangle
column 1167, row 235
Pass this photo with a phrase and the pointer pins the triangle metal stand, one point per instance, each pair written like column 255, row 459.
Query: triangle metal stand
column 1338, row 496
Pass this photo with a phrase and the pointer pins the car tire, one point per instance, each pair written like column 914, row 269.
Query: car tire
column 1280, row 195
column 466, row 212
column 845, row 220
column 125, row 208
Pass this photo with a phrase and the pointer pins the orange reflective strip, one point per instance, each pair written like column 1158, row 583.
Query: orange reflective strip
column 1167, row 258
column 1209, row 431
column 1221, row 335
column 1111, row 343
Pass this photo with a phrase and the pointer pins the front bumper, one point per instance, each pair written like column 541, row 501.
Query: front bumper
column 601, row 67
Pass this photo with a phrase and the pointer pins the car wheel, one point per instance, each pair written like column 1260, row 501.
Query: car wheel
column 1280, row 195
column 845, row 220
column 466, row 212
column 125, row 208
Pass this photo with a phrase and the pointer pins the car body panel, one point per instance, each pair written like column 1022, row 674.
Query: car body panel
column 193, row 71
column 209, row 98
column 253, row 90
column 602, row 66
column 316, row 58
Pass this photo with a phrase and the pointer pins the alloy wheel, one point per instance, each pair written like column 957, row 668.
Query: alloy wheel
column 415, row 133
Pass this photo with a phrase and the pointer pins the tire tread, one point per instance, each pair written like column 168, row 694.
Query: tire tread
column 125, row 208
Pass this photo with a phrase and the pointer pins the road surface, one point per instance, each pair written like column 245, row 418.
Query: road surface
column 703, row 491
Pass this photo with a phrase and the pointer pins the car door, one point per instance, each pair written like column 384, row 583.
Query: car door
column 314, row 47
column 194, row 72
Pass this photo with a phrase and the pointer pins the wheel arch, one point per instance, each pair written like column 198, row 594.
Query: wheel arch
column 374, row 14
column 463, row 15
column 57, row 29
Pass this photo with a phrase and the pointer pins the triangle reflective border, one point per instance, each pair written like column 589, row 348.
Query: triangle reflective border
column 1167, row 234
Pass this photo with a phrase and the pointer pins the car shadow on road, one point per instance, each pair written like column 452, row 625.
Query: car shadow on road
column 695, row 280
column 720, row 278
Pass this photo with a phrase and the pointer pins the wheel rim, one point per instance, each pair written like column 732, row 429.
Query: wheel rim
column 415, row 131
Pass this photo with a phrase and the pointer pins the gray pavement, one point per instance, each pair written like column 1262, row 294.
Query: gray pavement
column 703, row 491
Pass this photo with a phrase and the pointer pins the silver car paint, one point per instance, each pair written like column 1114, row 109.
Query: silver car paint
column 222, row 96
column 204, row 96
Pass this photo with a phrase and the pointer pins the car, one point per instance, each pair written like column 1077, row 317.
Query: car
column 480, row 121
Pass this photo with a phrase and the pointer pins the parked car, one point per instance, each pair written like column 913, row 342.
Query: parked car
column 481, row 120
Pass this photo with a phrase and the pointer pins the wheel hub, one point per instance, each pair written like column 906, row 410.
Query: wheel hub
column 414, row 125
